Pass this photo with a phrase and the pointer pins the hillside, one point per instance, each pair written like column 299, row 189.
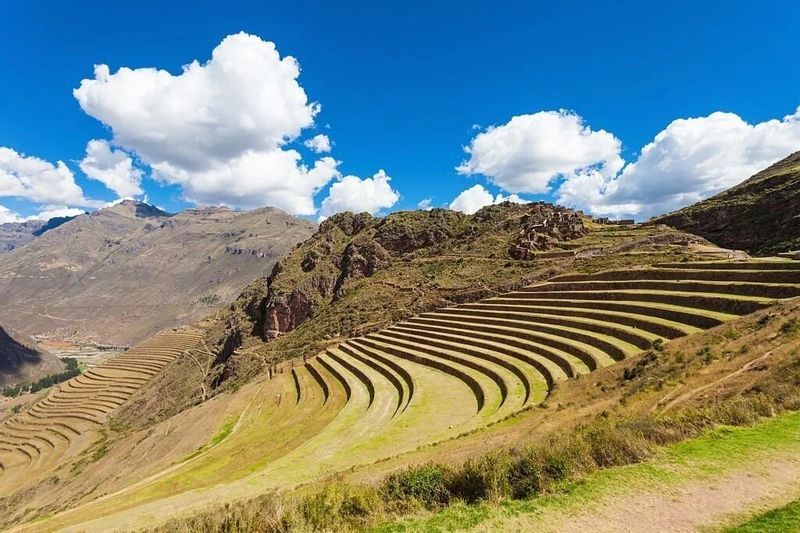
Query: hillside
column 15, row 234
column 442, row 386
column 358, row 273
column 22, row 362
column 383, row 343
column 760, row 215
column 122, row 273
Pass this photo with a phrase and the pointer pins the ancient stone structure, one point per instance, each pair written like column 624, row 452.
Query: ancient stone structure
column 544, row 227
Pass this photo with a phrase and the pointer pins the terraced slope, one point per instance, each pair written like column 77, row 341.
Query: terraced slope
column 61, row 425
column 439, row 375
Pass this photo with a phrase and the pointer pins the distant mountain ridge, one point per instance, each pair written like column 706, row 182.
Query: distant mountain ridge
column 15, row 234
column 760, row 215
column 124, row 272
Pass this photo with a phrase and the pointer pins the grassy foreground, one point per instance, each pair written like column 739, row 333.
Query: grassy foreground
column 715, row 452
column 785, row 519
column 562, row 474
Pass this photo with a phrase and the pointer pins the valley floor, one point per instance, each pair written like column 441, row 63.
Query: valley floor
column 713, row 482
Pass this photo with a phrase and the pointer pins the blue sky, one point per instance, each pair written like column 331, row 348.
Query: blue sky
column 405, row 86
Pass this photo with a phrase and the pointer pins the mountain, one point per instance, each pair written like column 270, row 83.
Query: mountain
column 15, row 234
column 122, row 273
column 760, row 215
column 21, row 361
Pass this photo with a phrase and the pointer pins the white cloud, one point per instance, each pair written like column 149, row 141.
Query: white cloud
column 45, row 214
column 691, row 159
column 113, row 168
column 320, row 144
column 38, row 180
column 426, row 204
column 7, row 215
column 218, row 129
column 352, row 193
column 476, row 197
column 56, row 211
column 526, row 154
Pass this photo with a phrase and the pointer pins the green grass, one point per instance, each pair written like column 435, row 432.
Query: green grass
column 716, row 452
column 785, row 519
column 220, row 436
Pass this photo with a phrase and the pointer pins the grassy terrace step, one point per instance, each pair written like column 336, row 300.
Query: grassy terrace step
column 399, row 377
column 695, row 317
column 761, row 290
column 552, row 364
column 482, row 374
column 542, row 369
column 664, row 274
column 474, row 386
column 638, row 337
column 51, row 426
column 481, row 353
column 348, row 390
column 358, row 373
column 721, row 303
column 613, row 347
column 589, row 356
column 734, row 265
column 667, row 329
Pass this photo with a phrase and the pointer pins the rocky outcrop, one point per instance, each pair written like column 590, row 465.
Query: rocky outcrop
column 544, row 228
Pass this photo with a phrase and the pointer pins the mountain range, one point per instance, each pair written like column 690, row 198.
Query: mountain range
column 124, row 272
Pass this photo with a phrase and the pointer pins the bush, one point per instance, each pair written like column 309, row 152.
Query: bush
column 426, row 484
column 482, row 479
column 615, row 445
column 337, row 505
column 791, row 326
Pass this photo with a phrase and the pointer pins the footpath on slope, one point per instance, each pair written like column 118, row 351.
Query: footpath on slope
column 705, row 483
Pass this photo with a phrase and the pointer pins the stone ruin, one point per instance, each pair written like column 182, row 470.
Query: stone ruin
column 544, row 228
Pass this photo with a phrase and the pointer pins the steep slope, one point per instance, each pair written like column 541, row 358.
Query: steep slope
column 122, row 273
column 760, row 215
column 22, row 362
column 359, row 272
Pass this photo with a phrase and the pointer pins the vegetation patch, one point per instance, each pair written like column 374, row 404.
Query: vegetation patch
column 785, row 519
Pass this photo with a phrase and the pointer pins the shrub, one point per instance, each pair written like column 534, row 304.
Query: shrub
column 426, row 484
column 482, row 479
column 706, row 355
column 336, row 505
column 658, row 344
column 791, row 326
column 612, row 446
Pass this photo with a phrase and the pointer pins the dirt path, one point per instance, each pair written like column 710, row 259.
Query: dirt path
column 669, row 401
column 704, row 485
column 692, row 506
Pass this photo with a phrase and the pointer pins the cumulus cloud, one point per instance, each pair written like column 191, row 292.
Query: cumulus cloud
column 690, row 160
column 476, row 197
column 7, row 215
column 320, row 144
column 112, row 167
column 38, row 180
column 46, row 213
column 426, row 204
column 52, row 211
column 528, row 152
column 352, row 193
column 218, row 129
